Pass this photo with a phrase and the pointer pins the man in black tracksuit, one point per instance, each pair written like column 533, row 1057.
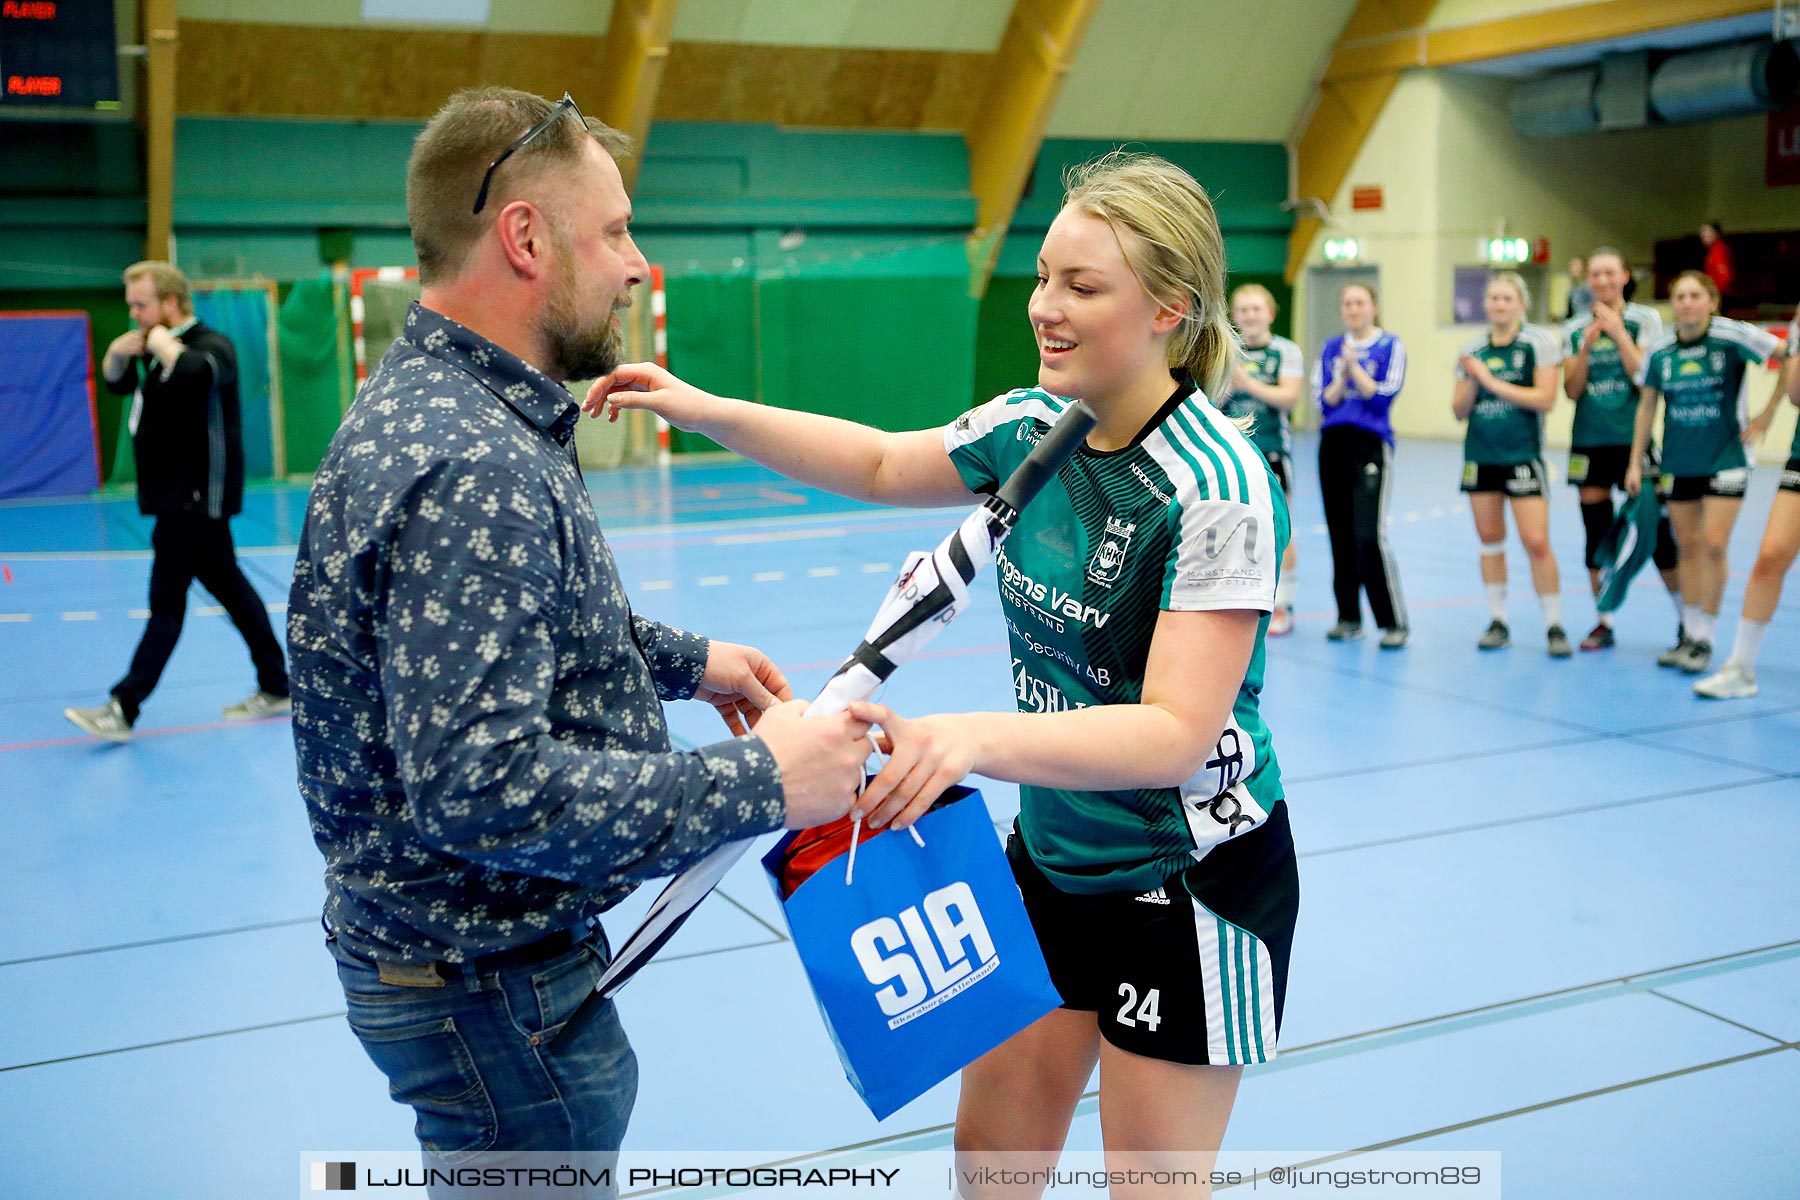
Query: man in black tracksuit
column 187, row 440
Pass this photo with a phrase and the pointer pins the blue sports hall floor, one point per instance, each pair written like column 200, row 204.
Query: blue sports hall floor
column 1549, row 908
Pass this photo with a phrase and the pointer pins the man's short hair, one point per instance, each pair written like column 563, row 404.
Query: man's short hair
column 167, row 277
column 454, row 151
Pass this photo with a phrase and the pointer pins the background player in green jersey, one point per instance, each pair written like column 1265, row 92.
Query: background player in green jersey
column 1265, row 386
column 1780, row 545
column 1603, row 350
column 1505, row 383
column 1153, row 848
column 1699, row 369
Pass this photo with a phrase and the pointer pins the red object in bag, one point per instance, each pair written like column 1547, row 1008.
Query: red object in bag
column 815, row 848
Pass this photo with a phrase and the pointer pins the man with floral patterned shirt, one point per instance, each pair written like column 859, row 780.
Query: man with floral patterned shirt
column 477, row 713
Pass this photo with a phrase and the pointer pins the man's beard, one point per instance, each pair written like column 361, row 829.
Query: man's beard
column 576, row 349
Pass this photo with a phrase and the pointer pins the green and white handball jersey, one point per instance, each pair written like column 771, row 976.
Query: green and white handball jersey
column 1270, row 364
column 1188, row 518
column 1501, row 433
column 1793, row 348
column 1607, row 409
column 1702, row 383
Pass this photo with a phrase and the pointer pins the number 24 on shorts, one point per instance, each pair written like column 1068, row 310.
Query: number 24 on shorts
column 1147, row 1013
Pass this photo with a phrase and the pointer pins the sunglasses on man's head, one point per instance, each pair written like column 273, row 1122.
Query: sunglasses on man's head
column 566, row 104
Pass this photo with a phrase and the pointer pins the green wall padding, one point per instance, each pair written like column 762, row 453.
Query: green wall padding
column 712, row 341
column 896, row 353
column 316, row 374
column 1005, row 350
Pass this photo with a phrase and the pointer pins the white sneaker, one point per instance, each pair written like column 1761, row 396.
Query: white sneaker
column 259, row 704
column 1733, row 681
column 105, row 721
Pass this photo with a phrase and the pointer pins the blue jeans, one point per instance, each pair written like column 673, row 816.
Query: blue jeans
column 473, row 1060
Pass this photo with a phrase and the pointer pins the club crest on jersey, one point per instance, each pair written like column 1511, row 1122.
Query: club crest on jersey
column 1109, row 556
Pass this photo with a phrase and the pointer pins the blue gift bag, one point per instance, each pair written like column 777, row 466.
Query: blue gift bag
column 926, row 960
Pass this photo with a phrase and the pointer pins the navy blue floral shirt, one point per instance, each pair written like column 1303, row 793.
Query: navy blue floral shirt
column 477, row 713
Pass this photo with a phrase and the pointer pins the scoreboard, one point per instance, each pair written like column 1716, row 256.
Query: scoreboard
column 58, row 54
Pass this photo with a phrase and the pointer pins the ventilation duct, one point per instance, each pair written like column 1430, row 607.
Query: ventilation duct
column 1723, row 81
column 1556, row 105
column 1731, row 80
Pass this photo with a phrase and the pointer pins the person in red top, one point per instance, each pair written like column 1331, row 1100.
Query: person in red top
column 1719, row 266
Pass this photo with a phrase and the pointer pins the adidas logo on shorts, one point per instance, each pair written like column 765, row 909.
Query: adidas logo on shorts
column 1156, row 896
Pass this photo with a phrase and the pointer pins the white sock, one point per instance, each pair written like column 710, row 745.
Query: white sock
column 1496, row 598
column 1749, row 642
column 1284, row 591
column 1705, row 625
column 1606, row 619
column 1552, row 603
column 1680, row 608
column 1690, row 620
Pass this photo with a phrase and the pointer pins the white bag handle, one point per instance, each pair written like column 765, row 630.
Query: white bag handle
column 856, row 819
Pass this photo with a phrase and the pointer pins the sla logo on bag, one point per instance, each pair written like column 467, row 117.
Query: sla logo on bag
column 915, row 967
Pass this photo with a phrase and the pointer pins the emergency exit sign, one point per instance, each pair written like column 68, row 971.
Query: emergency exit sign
column 58, row 54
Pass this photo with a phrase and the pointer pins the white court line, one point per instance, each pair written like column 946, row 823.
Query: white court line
column 656, row 585
column 785, row 535
column 877, row 568
column 81, row 616
column 1320, row 529
column 14, row 618
column 714, row 580
column 1439, row 512
column 139, row 614
column 209, row 610
column 1411, row 516
column 276, row 606
column 821, row 572
column 769, row 576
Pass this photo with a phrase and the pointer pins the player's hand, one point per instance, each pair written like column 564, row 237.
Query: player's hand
column 1475, row 369
column 651, row 388
column 1592, row 333
column 927, row 755
column 129, row 344
column 820, row 760
column 1606, row 321
column 1758, row 427
column 1634, row 479
column 742, row 684
column 1240, row 380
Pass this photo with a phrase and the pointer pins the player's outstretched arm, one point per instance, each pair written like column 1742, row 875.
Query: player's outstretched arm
column 840, row 456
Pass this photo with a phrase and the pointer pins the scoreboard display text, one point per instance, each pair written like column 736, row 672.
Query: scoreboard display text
column 58, row 54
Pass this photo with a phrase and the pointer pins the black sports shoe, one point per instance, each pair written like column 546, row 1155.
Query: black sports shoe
column 1600, row 637
column 1559, row 642
column 1497, row 637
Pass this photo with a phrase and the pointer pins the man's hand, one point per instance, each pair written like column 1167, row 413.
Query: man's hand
column 129, row 344
column 164, row 345
column 742, row 684
column 820, row 759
